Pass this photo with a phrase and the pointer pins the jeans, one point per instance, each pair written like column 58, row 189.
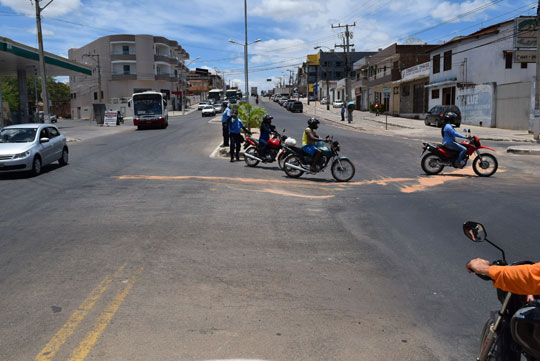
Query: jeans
column 459, row 148
column 225, row 134
column 263, row 147
column 236, row 143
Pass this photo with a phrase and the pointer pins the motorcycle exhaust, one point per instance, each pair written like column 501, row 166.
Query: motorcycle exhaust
column 252, row 157
column 296, row 167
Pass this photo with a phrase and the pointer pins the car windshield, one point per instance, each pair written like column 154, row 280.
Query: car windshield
column 209, row 107
column 147, row 104
column 18, row 135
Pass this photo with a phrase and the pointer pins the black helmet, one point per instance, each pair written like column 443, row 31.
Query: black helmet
column 525, row 327
column 449, row 117
column 268, row 118
column 313, row 123
column 234, row 111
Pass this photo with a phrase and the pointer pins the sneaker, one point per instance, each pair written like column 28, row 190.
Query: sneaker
column 232, row 160
column 237, row 157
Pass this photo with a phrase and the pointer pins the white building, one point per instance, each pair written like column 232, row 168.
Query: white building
column 477, row 73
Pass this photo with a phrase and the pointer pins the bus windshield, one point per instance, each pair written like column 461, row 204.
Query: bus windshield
column 147, row 104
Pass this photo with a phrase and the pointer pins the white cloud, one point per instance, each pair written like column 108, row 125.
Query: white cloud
column 448, row 10
column 56, row 8
column 44, row 32
column 278, row 9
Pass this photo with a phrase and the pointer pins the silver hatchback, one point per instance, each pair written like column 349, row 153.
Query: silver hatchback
column 29, row 147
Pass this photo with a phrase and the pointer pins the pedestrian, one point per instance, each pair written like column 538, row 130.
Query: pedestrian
column 377, row 106
column 343, row 112
column 225, row 117
column 235, row 126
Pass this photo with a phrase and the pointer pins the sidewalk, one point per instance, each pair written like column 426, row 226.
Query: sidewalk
column 392, row 125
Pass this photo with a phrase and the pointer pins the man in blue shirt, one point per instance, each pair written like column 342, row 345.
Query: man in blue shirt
column 265, row 130
column 225, row 125
column 449, row 138
column 235, row 126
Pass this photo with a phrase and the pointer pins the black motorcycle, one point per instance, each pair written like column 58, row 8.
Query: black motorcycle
column 510, row 332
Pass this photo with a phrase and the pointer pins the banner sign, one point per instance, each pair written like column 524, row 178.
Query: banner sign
column 110, row 118
column 525, row 56
column 525, row 32
column 417, row 71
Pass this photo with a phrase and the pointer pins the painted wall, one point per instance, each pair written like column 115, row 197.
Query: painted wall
column 513, row 105
column 477, row 104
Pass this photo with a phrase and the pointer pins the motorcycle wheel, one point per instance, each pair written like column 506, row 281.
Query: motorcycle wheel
column 249, row 161
column 431, row 164
column 291, row 172
column 343, row 172
column 485, row 165
column 281, row 159
column 501, row 350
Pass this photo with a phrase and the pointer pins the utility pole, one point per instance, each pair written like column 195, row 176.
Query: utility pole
column 536, row 125
column 290, row 81
column 95, row 57
column 345, row 46
column 44, row 89
column 35, row 91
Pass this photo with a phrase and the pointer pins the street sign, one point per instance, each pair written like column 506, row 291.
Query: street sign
column 386, row 90
column 110, row 118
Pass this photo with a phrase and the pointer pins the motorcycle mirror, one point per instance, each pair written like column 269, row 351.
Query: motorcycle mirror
column 475, row 231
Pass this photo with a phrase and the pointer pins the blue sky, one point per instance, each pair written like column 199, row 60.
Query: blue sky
column 288, row 29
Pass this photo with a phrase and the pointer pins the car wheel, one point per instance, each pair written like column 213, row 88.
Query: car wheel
column 64, row 158
column 426, row 122
column 36, row 166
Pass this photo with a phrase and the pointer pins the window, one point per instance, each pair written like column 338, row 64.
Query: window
column 508, row 59
column 127, row 69
column 95, row 95
column 436, row 64
column 435, row 94
column 338, row 63
column 384, row 69
column 448, row 60
column 523, row 65
column 43, row 133
column 53, row 132
column 125, row 49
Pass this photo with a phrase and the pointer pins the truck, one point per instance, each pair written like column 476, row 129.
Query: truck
column 149, row 109
column 254, row 92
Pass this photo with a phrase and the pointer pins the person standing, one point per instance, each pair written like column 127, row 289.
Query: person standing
column 377, row 106
column 343, row 112
column 235, row 126
column 225, row 125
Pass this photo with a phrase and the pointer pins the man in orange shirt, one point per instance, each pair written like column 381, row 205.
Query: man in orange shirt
column 521, row 279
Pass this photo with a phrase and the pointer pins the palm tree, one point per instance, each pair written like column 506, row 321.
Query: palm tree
column 255, row 115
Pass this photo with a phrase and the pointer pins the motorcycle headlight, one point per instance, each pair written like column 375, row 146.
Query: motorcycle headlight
column 21, row 155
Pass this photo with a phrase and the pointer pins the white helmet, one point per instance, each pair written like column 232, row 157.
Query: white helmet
column 290, row 142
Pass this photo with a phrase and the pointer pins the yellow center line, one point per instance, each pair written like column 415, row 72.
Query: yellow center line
column 62, row 335
column 103, row 321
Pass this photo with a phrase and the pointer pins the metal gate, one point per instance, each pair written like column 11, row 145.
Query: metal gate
column 419, row 95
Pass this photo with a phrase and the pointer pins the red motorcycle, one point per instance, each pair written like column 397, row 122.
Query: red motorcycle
column 439, row 156
column 252, row 153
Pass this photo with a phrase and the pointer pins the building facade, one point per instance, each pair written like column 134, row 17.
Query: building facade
column 126, row 64
column 478, row 73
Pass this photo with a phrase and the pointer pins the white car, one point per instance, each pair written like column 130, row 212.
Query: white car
column 29, row 147
column 337, row 104
column 202, row 104
column 208, row 110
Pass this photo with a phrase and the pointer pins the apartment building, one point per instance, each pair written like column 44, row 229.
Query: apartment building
column 123, row 65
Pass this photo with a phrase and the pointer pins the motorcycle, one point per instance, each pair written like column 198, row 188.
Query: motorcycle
column 506, row 333
column 252, row 152
column 439, row 156
column 299, row 162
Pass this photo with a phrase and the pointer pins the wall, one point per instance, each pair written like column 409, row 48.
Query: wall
column 477, row 104
column 513, row 105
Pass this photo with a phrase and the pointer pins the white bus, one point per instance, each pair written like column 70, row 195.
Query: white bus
column 149, row 109
column 215, row 94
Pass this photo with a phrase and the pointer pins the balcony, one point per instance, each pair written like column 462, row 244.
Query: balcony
column 166, row 76
column 394, row 75
column 119, row 75
column 119, row 55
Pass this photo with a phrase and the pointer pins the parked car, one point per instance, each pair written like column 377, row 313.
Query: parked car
column 289, row 103
column 436, row 114
column 202, row 104
column 297, row 107
column 282, row 101
column 217, row 107
column 53, row 119
column 30, row 147
column 208, row 110
column 337, row 104
column 324, row 101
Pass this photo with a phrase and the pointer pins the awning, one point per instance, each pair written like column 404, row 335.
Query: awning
column 445, row 83
column 16, row 56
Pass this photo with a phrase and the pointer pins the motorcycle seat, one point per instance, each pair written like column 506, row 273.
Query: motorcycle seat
column 450, row 150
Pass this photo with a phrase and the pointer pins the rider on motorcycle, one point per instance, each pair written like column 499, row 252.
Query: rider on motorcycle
column 449, row 135
column 520, row 279
column 266, row 129
column 308, row 142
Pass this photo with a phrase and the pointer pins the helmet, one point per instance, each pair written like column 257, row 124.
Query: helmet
column 450, row 116
column 234, row 111
column 290, row 142
column 525, row 327
column 267, row 118
column 313, row 123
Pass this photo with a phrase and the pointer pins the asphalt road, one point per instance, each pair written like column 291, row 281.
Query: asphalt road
column 146, row 248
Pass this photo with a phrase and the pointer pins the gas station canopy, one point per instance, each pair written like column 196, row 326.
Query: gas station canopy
column 16, row 56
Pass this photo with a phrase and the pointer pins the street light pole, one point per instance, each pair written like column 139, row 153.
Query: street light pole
column 184, row 81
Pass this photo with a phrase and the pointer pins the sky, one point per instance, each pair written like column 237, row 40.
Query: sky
column 288, row 29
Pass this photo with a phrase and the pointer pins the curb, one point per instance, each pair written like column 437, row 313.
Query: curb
column 523, row 150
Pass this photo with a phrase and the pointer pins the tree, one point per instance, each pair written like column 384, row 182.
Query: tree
column 256, row 115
